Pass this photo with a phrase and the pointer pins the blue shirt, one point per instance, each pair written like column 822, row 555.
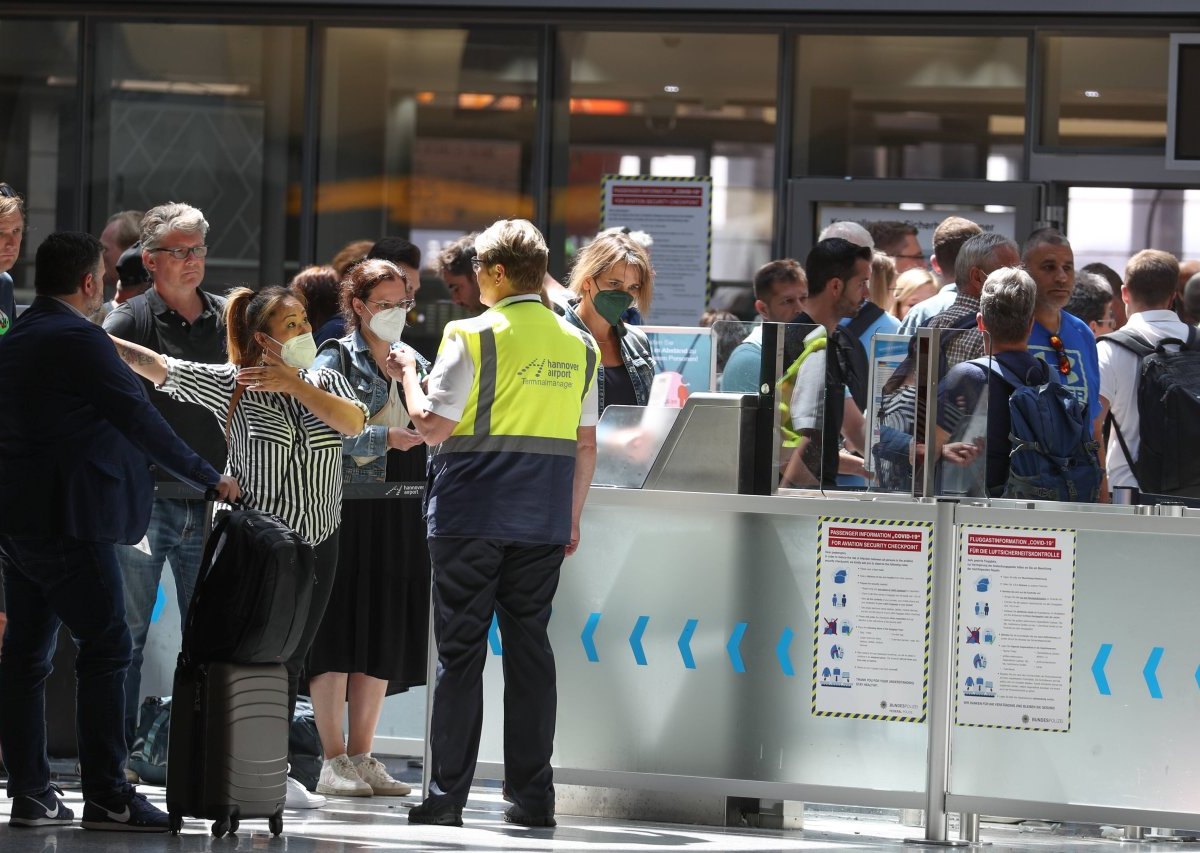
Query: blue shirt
column 742, row 369
column 1079, row 344
column 921, row 313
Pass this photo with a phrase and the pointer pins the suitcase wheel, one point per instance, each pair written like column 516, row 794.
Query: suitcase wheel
column 175, row 823
column 220, row 828
column 234, row 823
column 275, row 823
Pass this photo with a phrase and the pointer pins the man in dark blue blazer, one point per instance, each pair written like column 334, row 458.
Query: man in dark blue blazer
column 77, row 439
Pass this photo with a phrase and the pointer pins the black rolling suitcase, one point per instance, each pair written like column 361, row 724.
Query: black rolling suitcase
column 227, row 759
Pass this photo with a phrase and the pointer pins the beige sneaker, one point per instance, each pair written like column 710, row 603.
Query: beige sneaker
column 373, row 773
column 340, row 779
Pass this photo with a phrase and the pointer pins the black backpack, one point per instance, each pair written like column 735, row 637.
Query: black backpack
column 1168, row 401
column 253, row 594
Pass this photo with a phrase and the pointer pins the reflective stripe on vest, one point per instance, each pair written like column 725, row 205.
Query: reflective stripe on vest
column 541, row 371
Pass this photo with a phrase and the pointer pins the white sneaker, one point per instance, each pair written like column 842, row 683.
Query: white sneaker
column 371, row 770
column 298, row 797
column 340, row 779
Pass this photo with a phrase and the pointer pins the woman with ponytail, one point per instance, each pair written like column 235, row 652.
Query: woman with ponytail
column 284, row 423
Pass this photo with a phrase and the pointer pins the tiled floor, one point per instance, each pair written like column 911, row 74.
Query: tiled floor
column 380, row 824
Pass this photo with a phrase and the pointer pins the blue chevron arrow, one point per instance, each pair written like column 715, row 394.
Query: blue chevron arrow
column 781, row 652
column 588, row 638
column 1098, row 665
column 494, row 636
column 732, row 647
column 160, row 602
column 1150, row 672
column 635, row 640
column 685, row 643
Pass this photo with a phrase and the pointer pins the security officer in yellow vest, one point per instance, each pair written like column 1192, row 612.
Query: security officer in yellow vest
column 511, row 410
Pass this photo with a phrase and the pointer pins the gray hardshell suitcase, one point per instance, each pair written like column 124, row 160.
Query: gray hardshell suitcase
column 227, row 757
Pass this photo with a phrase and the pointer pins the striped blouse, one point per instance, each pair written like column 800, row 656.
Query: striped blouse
column 286, row 459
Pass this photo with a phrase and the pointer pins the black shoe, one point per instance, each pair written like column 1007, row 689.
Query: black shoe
column 436, row 813
column 516, row 814
column 128, row 812
column 44, row 809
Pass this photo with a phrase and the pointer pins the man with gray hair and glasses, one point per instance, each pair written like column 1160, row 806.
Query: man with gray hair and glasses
column 978, row 258
column 177, row 318
column 1006, row 304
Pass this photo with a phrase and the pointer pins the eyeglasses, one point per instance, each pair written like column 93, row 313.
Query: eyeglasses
column 182, row 252
column 404, row 304
column 1064, row 363
column 477, row 265
column 7, row 192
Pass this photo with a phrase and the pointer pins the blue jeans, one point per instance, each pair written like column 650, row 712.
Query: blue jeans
column 49, row 582
column 176, row 533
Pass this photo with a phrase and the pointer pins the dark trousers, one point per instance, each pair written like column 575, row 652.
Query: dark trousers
column 48, row 582
column 325, row 565
column 472, row 579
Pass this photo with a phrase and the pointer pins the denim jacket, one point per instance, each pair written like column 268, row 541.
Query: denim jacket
column 635, row 352
column 351, row 356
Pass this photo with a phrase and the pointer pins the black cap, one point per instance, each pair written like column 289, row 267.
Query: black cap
column 130, row 268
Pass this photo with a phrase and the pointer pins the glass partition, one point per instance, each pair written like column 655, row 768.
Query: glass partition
column 808, row 402
column 684, row 352
column 891, row 416
column 210, row 114
column 39, row 140
column 628, row 441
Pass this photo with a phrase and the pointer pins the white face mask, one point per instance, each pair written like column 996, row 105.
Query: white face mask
column 389, row 324
column 300, row 351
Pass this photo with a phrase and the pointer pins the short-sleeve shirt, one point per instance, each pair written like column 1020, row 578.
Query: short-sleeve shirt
column 453, row 372
column 1080, row 346
column 1118, row 385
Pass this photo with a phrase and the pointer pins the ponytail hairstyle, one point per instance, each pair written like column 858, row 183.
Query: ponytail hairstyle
column 246, row 313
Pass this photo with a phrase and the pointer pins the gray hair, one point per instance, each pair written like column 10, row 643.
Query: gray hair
column 1006, row 304
column 978, row 252
column 1043, row 237
column 172, row 216
column 1090, row 297
column 849, row 231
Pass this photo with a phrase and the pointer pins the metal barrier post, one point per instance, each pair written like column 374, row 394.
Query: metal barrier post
column 945, row 589
column 968, row 827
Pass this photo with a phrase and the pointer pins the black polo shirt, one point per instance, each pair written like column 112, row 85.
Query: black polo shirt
column 147, row 320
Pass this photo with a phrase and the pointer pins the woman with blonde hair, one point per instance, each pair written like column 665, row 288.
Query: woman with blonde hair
column 284, row 424
column 611, row 274
column 912, row 287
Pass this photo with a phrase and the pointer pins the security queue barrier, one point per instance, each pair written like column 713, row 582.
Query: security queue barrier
column 686, row 627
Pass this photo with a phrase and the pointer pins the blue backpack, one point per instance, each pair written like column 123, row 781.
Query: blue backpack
column 1054, row 456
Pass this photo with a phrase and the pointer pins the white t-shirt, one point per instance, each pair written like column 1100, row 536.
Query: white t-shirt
column 1118, row 385
column 452, row 374
column 809, row 391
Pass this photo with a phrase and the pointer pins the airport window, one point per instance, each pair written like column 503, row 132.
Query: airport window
column 671, row 105
column 1104, row 91
column 39, row 137
column 212, row 115
column 425, row 134
column 899, row 106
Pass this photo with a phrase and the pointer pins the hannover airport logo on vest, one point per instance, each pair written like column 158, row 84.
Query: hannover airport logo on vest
column 546, row 371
